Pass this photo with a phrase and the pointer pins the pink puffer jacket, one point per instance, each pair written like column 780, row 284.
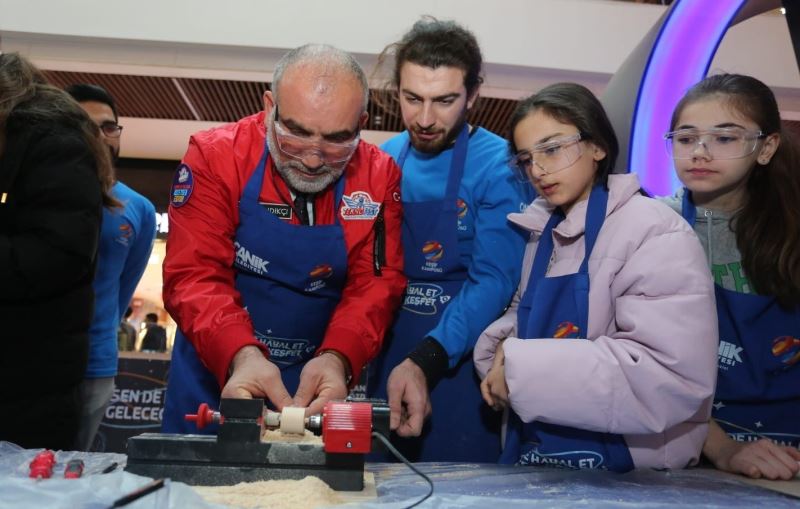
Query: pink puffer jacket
column 649, row 368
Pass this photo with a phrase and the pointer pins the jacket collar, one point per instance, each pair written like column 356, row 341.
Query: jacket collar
column 621, row 188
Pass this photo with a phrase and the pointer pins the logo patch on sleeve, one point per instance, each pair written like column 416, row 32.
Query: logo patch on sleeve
column 182, row 185
column 359, row 205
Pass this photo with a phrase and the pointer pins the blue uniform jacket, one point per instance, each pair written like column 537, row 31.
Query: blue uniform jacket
column 126, row 239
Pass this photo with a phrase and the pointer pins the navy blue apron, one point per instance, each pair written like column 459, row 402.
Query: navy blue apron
column 758, row 380
column 290, row 278
column 461, row 427
column 558, row 307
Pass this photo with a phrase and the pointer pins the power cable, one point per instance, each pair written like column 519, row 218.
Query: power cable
column 402, row 458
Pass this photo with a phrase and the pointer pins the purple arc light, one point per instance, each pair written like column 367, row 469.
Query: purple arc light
column 681, row 56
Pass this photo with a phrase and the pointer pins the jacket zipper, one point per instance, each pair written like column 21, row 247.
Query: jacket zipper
column 379, row 244
column 708, row 213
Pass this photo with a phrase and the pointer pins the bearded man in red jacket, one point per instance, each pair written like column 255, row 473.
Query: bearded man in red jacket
column 284, row 260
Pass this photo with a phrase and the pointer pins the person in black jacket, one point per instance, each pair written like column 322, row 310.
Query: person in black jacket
column 55, row 175
column 155, row 339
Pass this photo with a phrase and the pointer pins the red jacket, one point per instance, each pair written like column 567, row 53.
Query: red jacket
column 199, row 289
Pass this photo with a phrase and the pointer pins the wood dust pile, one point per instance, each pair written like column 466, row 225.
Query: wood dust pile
column 307, row 493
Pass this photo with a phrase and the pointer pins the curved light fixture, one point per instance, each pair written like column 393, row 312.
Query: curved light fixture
column 681, row 56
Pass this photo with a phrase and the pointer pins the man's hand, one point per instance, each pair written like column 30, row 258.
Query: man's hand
column 762, row 458
column 494, row 388
column 253, row 376
column 322, row 379
column 409, row 402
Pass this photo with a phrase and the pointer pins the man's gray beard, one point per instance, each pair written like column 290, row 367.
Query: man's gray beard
column 297, row 184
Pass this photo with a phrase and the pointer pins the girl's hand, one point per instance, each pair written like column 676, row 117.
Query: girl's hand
column 760, row 459
column 493, row 387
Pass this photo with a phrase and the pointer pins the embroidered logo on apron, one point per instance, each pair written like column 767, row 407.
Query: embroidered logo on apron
column 566, row 459
column 247, row 261
column 461, row 213
column 787, row 349
column 728, row 355
column 433, row 251
column 286, row 350
column 317, row 276
column 566, row 330
column 421, row 298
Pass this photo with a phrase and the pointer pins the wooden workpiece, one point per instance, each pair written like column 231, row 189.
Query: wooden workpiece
column 293, row 420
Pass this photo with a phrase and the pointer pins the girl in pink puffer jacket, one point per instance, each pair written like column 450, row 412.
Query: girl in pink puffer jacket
column 606, row 357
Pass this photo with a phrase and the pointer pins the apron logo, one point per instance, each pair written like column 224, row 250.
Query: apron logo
column 461, row 208
column 320, row 272
column 433, row 251
column 281, row 210
column 286, row 351
column 787, row 349
column 461, row 213
column 421, row 298
column 359, row 205
column 565, row 330
column 248, row 261
column 182, row 185
column 728, row 355
column 575, row 460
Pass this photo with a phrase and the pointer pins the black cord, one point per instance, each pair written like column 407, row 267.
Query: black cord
column 402, row 458
column 139, row 493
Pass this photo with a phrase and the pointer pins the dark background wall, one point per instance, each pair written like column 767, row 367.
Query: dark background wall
column 149, row 177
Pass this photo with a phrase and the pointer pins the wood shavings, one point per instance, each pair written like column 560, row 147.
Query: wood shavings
column 307, row 493
column 274, row 435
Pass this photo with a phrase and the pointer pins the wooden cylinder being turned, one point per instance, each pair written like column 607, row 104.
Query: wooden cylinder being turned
column 293, row 420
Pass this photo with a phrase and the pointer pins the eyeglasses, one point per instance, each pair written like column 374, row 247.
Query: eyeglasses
column 111, row 129
column 300, row 147
column 552, row 156
column 719, row 143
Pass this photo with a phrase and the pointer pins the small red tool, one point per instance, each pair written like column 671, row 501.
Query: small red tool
column 204, row 416
column 74, row 469
column 42, row 465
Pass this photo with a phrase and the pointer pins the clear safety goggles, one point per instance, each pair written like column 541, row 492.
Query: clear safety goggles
column 718, row 143
column 300, row 147
column 551, row 157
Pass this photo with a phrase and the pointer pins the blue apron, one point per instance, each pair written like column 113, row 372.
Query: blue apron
column 290, row 278
column 461, row 427
column 558, row 307
column 758, row 380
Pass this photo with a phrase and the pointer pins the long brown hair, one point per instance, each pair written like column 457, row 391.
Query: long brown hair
column 23, row 87
column 767, row 226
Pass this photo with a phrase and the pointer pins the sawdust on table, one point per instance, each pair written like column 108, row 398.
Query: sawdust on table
column 307, row 493
column 275, row 435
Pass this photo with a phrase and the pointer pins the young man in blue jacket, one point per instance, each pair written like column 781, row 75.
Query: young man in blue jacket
column 126, row 239
column 462, row 259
